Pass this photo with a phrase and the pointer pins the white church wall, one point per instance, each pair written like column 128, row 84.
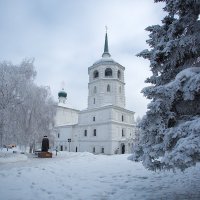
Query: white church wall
column 100, row 132
column 122, row 115
column 115, row 147
column 95, row 116
column 97, row 147
column 66, row 116
column 122, row 134
column 62, row 134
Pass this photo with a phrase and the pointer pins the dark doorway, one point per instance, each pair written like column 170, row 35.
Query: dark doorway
column 76, row 149
column 61, row 147
column 123, row 148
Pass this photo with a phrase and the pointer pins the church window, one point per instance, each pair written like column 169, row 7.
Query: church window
column 108, row 72
column 123, row 134
column 119, row 74
column 122, row 118
column 120, row 89
column 95, row 74
column 95, row 89
column 95, row 132
column 102, row 150
column 94, row 101
column 85, row 133
column 93, row 150
column 58, row 135
column 93, row 119
column 108, row 88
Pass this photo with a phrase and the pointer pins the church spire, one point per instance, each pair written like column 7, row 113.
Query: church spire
column 106, row 51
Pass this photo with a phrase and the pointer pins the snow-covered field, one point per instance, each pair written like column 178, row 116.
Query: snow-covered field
column 86, row 176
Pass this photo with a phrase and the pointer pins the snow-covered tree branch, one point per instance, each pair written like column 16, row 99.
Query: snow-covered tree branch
column 170, row 130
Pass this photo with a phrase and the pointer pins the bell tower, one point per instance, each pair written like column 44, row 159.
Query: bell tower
column 106, row 82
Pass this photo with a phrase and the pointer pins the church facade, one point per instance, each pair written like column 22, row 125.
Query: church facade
column 106, row 126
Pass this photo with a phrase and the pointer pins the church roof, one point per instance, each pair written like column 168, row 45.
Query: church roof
column 106, row 53
column 106, row 57
column 62, row 93
column 105, row 60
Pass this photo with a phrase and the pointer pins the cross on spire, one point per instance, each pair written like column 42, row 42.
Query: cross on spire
column 106, row 29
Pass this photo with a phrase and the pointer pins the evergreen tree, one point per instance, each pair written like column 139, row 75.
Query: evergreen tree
column 170, row 130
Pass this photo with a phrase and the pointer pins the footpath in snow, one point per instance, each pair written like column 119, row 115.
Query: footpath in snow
column 84, row 176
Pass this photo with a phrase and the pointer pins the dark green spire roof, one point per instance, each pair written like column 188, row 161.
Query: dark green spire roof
column 62, row 94
column 106, row 51
column 106, row 44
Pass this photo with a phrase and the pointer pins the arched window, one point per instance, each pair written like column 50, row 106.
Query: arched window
column 95, row 90
column 95, row 74
column 108, row 72
column 119, row 74
column 108, row 88
column 123, row 134
column 95, row 132
column 120, row 89
column 122, row 118
column 85, row 133
column 94, row 101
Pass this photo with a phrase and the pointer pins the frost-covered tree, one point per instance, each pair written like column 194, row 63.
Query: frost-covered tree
column 13, row 81
column 26, row 110
column 170, row 130
column 37, row 115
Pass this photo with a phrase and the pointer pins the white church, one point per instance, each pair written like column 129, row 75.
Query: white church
column 106, row 126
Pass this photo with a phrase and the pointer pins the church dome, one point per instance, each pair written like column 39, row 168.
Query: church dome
column 104, row 60
column 62, row 93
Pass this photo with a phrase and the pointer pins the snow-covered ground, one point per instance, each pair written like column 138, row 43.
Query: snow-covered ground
column 84, row 176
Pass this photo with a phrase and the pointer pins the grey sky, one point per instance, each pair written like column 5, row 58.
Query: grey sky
column 67, row 36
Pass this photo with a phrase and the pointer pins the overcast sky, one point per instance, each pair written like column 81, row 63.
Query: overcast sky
column 67, row 36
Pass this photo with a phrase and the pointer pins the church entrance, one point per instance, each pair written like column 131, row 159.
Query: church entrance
column 76, row 149
column 61, row 147
column 123, row 148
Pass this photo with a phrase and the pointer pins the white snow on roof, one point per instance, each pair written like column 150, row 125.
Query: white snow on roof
column 104, row 59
